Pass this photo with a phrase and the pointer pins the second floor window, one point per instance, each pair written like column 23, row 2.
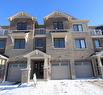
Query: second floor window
column 21, row 26
column 39, row 43
column 19, row 44
column 2, row 44
column 59, row 43
column 78, row 27
column 58, row 25
column 80, row 43
column 97, row 43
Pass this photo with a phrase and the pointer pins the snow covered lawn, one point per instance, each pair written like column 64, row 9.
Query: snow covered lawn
column 56, row 87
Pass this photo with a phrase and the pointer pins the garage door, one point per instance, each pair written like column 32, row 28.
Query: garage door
column 83, row 69
column 14, row 72
column 60, row 71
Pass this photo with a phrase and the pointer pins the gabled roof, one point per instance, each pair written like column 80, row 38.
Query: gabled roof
column 37, row 53
column 57, row 14
column 21, row 15
column 3, row 57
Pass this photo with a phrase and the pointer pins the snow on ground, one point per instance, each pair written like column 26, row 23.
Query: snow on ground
column 56, row 87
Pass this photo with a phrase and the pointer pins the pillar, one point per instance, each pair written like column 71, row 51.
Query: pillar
column 95, row 71
column 46, row 69
column 5, row 73
column 100, row 66
column 72, row 67
column 25, row 73
column 28, row 68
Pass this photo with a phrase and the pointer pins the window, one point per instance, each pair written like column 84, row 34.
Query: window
column 78, row 27
column 21, row 26
column 59, row 42
column 97, row 43
column 19, row 44
column 39, row 43
column 2, row 44
column 80, row 43
column 58, row 25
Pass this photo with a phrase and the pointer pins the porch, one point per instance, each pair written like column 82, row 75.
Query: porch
column 37, row 62
column 97, row 61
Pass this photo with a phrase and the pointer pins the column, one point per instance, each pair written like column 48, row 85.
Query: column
column 25, row 73
column 28, row 68
column 100, row 66
column 95, row 71
column 46, row 69
column 72, row 66
column 5, row 73
column 99, row 61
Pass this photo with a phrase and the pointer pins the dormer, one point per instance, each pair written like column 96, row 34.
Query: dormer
column 57, row 20
column 22, row 21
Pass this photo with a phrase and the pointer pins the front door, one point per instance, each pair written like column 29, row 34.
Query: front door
column 37, row 68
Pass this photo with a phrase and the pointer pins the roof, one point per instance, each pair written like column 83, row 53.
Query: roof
column 57, row 13
column 3, row 57
column 21, row 15
column 36, row 53
column 5, row 27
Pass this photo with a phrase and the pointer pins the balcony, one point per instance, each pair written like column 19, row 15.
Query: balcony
column 58, row 30
column 96, row 33
column 4, row 33
column 40, row 32
column 21, row 31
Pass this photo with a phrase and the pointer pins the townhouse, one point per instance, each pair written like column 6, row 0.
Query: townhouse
column 64, row 47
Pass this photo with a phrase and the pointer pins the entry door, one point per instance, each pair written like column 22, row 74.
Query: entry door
column 38, row 69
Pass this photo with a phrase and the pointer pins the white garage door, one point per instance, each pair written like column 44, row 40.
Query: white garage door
column 60, row 71
column 14, row 72
column 83, row 69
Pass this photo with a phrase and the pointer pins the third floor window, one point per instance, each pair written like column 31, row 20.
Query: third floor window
column 58, row 25
column 22, row 26
column 78, row 27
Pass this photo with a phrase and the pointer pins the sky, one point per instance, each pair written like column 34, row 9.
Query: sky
column 91, row 10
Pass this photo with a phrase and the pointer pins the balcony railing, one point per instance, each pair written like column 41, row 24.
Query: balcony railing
column 96, row 32
column 40, row 31
column 58, row 30
column 4, row 32
column 21, row 31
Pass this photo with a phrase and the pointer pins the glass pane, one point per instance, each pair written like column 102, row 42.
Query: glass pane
column 80, row 28
column 97, row 43
column 21, row 26
column 83, row 44
column 2, row 44
column 58, row 25
column 75, row 27
column 59, row 43
column 39, row 42
column 77, row 43
column 19, row 44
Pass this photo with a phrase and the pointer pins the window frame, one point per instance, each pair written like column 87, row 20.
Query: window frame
column 21, row 26
column 3, row 44
column 19, row 46
column 59, row 46
column 58, row 25
column 82, row 43
column 76, row 27
column 37, row 42
column 99, row 43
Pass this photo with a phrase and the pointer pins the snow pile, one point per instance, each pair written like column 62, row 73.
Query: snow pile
column 55, row 87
